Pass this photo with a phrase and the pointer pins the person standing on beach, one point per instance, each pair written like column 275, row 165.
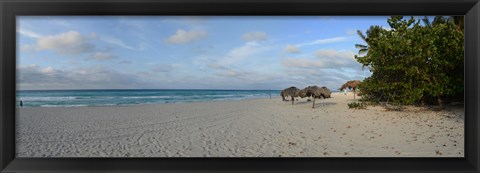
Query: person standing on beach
column 21, row 103
column 345, row 91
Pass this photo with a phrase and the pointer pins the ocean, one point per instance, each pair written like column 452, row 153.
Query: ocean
column 78, row 98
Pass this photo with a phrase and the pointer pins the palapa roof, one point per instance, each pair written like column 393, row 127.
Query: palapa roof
column 350, row 84
column 291, row 91
column 316, row 91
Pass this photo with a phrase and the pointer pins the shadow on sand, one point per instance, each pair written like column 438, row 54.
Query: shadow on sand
column 353, row 100
column 317, row 103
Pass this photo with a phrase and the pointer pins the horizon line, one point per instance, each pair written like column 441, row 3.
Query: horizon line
column 136, row 89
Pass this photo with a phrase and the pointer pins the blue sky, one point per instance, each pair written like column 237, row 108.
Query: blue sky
column 189, row 52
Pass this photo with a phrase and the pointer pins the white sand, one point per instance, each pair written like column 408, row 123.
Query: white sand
column 249, row 128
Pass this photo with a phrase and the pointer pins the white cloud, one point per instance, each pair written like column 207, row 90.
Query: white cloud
column 255, row 36
column 243, row 67
column 182, row 36
column 239, row 77
column 323, row 41
column 326, row 58
column 48, row 70
column 302, row 63
column 331, row 78
column 117, row 42
column 240, row 53
column 28, row 33
column 71, row 43
column 102, row 56
column 337, row 58
column 97, row 77
column 234, row 74
column 327, row 67
column 291, row 49
column 386, row 28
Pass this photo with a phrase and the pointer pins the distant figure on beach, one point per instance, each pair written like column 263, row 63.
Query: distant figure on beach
column 345, row 91
column 21, row 103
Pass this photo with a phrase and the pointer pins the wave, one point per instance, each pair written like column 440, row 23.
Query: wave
column 46, row 98
column 145, row 97
column 80, row 105
column 76, row 99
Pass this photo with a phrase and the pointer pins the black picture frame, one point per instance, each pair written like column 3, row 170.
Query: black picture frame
column 11, row 8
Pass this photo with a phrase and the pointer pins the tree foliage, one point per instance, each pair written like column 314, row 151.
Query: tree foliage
column 413, row 63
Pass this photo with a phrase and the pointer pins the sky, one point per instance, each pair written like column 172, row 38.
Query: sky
column 189, row 52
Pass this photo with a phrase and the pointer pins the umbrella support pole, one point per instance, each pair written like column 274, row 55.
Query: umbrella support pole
column 313, row 106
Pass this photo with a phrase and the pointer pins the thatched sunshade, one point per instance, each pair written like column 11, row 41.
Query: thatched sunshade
column 326, row 93
column 315, row 92
column 353, row 84
column 291, row 91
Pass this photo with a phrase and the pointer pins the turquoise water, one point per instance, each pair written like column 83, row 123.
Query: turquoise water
column 78, row 98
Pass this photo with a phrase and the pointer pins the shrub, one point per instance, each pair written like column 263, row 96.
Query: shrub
column 357, row 105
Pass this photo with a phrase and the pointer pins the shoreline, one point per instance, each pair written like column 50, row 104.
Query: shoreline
column 257, row 127
column 147, row 104
column 276, row 96
column 95, row 98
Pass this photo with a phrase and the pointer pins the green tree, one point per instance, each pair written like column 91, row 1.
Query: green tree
column 372, row 32
column 457, row 20
column 413, row 63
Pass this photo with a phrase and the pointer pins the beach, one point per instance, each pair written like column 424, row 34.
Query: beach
column 260, row 127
